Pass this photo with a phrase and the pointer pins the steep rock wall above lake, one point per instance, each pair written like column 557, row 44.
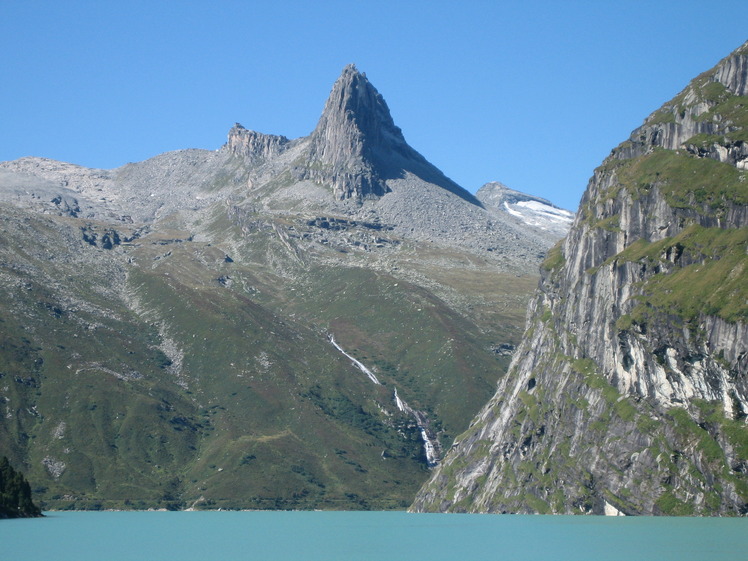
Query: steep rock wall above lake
column 629, row 391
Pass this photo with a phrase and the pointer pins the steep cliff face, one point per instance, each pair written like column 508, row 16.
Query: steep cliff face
column 629, row 392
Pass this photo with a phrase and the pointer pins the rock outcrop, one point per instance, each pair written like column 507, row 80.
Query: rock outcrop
column 255, row 145
column 629, row 391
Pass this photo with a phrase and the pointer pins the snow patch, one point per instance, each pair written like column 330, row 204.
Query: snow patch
column 550, row 211
column 513, row 212
column 540, row 215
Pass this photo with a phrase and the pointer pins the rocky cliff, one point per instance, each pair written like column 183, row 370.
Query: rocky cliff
column 629, row 391
column 254, row 145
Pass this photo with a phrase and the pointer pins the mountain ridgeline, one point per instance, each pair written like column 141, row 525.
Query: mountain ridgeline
column 629, row 391
column 279, row 323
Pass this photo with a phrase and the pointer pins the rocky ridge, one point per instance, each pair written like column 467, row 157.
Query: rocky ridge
column 255, row 145
column 355, row 165
column 629, row 391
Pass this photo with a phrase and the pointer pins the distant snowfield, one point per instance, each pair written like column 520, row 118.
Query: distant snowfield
column 540, row 215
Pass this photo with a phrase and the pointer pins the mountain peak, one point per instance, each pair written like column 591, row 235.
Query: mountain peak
column 356, row 105
column 354, row 126
column 351, row 69
column 356, row 146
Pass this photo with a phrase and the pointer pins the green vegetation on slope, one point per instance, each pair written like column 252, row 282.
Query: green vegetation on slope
column 713, row 283
column 685, row 180
column 164, row 374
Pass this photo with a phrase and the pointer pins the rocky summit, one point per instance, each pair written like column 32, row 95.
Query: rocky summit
column 279, row 323
column 356, row 146
column 629, row 391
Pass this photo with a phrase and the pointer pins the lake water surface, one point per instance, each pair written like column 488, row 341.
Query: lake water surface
column 367, row 536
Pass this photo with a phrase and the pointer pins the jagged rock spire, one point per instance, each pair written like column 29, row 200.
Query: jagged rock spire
column 356, row 109
column 354, row 126
column 356, row 146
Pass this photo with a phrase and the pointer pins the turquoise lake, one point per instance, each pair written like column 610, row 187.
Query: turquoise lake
column 367, row 536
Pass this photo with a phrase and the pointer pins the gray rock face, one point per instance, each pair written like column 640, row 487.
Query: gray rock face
column 355, row 124
column 356, row 146
column 629, row 391
column 733, row 73
column 255, row 145
column 697, row 119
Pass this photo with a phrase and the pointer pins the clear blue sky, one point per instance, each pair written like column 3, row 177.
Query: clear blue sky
column 533, row 94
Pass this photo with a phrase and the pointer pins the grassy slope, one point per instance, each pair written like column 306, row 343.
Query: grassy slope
column 264, row 412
